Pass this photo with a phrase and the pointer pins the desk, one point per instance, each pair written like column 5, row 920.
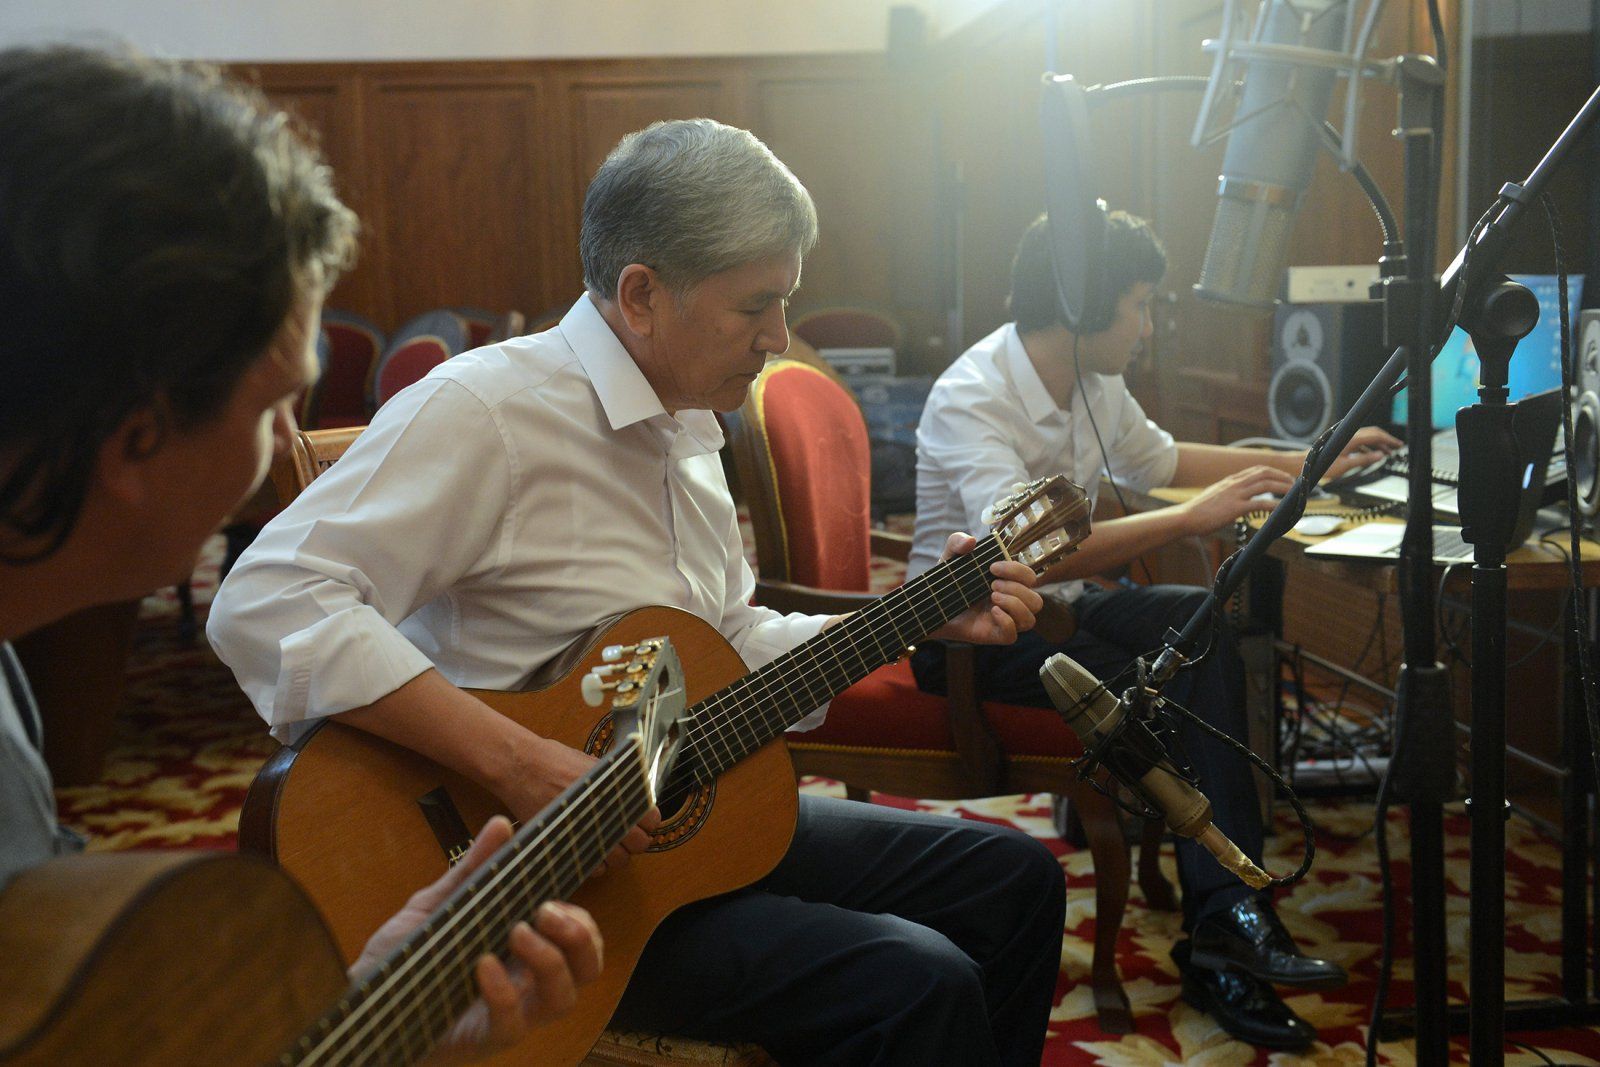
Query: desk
column 1534, row 566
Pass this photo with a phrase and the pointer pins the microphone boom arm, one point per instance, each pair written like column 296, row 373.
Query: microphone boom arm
column 1485, row 254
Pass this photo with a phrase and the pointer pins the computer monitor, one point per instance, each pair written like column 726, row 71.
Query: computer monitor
column 1535, row 367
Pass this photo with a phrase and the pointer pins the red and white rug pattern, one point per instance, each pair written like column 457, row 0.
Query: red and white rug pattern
column 188, row 744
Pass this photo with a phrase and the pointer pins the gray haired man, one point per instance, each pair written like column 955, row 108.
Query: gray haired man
column 524, row 493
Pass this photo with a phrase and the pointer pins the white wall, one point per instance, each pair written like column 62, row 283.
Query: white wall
column 232, row 30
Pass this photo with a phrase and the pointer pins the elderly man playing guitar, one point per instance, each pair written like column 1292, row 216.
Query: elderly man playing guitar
column 165, row 244
column 524, row 493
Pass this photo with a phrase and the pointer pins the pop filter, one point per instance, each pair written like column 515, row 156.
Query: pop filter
column 1077, row 217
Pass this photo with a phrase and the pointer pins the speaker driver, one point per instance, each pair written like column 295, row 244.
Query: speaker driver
column 1586, row 417
column 1586, row 453
column 1299, row 401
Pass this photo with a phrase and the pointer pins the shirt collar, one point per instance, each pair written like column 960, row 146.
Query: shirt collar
column 1036, row 399
column 625, row 394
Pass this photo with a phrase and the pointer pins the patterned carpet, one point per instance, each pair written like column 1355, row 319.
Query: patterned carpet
column 187, row 746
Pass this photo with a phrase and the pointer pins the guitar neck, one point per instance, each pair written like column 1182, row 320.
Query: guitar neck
column 399, row 1011
column 736, row 721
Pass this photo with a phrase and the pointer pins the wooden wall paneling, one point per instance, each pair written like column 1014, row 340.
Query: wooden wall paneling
column 990, row 103
column 465, row 215
column 600, row 102
column 865, row 153
column 989, row 100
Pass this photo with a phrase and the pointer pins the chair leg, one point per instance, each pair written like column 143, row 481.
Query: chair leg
column 1158, row 894
column 1112, row 868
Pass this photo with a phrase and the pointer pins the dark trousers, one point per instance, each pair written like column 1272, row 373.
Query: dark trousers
column 882, row 937
column 1114, row 626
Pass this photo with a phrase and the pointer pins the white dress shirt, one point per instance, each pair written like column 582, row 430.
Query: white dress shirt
column 490, row 515
column 990, row 423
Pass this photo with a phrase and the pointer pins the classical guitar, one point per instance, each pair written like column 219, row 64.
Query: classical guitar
column 728, row 807
column 171, row 959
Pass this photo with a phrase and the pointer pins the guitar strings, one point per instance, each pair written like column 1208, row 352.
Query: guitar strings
column 482, row 917
column 785, row 672
column 779, row 680
column 363, row 1011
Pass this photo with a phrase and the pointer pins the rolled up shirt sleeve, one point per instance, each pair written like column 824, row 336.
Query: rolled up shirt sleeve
column 308, row 618
column 975, row 454
column 1146, row 456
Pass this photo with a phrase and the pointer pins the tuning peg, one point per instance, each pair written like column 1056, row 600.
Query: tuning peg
column 595, row 683
column 612, row 653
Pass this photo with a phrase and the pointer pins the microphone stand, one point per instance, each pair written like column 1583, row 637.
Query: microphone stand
column 1421, row 767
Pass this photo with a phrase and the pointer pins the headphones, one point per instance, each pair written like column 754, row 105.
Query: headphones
column 1078, row 219
column 1099, row 303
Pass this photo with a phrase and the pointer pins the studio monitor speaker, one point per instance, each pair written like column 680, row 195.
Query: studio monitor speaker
column 1586, row 415
column 1323, row 356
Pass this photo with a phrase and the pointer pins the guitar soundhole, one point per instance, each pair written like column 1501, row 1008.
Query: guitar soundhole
column 683, row 812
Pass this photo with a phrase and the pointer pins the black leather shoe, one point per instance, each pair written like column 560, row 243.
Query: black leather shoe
column 1250, row 937
column 1245, row 1007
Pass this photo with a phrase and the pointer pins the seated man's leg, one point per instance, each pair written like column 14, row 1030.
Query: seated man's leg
column 1135, row 621
column 884, row 936
column 1114, row 626
column 1240, row 932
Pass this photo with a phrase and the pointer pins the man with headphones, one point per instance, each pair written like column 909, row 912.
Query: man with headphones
column 1036, row 398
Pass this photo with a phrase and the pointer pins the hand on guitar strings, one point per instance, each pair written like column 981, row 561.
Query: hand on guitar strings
column 549, row 767
column 1011, row 608
column 551, row 958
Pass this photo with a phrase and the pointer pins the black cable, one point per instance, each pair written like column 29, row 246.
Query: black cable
column 1380, row 830
column 1105, row 457
column 1441, row 54
column 1182, row 771
column 1461, row 288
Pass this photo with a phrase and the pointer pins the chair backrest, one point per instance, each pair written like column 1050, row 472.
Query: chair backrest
column 310, row 453
column 847, row 327
column 416, row 348
column 801, row 451
column 511, row 324
column 407, row 364
column 354, row 343
column 480, row 325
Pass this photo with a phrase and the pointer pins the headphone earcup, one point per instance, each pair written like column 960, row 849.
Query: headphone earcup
column 1099, row 306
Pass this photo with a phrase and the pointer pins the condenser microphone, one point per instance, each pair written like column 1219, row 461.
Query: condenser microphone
column 1272, row 147
column 1139, row 761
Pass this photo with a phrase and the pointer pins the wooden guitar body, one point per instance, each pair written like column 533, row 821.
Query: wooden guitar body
column 159, row 959
column 348, row 815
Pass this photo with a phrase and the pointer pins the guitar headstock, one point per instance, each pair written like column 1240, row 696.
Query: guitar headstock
column 1041, row 521
column 645, row 685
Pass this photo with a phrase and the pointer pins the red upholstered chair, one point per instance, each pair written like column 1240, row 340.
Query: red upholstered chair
column 800, row 446
column 353, row 347
column 418, row 347
column 847, row 327
column 480, row 325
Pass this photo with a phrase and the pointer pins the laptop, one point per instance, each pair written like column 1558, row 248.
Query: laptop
column 1381, row 541
column 1535, row 424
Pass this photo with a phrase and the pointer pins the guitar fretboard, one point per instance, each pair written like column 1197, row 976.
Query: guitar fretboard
column 739, row 719
column 398, row 1012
